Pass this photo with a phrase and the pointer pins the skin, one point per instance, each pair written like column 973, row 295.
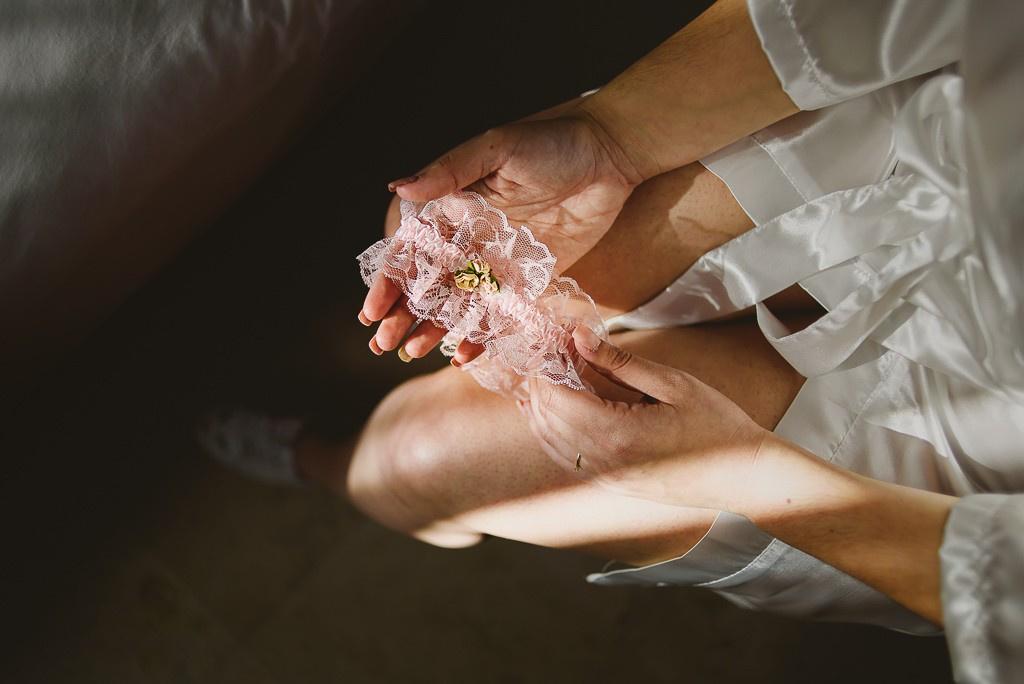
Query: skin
column 680, row 425
column 687, row 444
column 568, row 172
column 419, row 467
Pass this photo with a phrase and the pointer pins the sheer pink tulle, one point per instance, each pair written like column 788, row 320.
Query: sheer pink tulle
column 525, row 326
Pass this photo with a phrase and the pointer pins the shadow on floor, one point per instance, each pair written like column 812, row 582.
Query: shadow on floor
column 130, row 558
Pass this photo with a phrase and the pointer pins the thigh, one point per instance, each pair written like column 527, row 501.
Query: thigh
column 667, row 224
column 443, row 455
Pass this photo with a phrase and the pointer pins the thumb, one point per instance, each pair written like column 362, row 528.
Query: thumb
column 623, row 367
column 461, row 167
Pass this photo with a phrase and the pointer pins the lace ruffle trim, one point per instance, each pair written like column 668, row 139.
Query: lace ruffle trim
column 465, row 268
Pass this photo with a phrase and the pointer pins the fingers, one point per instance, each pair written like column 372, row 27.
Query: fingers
column 625, row 368
column 568, row 422
column 578, row 407
column 558, row 455
column 379, row 300
column 551, row 441
column 466, row 352
column 459, row 168
column 425, row 337
column 579, row 413
column 394, row 327
column 386, row 303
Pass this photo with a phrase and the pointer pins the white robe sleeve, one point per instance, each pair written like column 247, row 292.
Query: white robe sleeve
column 827, row 52
column 983, row 588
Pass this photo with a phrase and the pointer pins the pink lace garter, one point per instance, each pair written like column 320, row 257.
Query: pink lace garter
column 466, row 269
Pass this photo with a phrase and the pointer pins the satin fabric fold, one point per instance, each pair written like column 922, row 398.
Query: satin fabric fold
column 915, row 248
column 900, row 211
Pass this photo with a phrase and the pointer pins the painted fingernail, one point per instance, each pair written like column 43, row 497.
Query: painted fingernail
column 455, row 362
column 586, row 339
column 364, row 319
column 404, row 355
column 374, row 347
column 394, row 185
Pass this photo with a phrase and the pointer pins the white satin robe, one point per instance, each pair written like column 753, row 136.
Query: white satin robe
column 896, row 199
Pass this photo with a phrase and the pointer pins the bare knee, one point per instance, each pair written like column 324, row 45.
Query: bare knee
column 402, row 465
column 443, row 460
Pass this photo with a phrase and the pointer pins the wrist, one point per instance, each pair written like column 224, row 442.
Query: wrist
column 620, row 136
column 787, row 484
column 884, row 534
column 705, row 87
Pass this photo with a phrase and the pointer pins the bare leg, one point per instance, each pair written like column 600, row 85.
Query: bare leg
column 446, row 461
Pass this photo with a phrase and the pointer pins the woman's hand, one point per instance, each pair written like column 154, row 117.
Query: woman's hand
column 687, row 445
column 566, row 172
column 557, row 172
column 562, row 176
column 681, row 443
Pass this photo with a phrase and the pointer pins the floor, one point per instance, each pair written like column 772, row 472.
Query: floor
column 131, row 558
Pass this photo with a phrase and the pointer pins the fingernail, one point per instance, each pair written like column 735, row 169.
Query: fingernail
column 455, row 362
column 394, row 185
column 364, row 320
column 374, row 347
column 586, row 339
column 404, row 355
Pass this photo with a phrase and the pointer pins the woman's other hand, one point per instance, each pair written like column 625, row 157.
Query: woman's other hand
column 557, row 172
column 563, row 176
column 681, row 442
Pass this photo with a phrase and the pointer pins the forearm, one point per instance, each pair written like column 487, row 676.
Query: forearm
column 885, row 535
column 705, row 87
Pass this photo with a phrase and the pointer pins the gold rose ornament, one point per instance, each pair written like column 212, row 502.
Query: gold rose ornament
column 476, row 274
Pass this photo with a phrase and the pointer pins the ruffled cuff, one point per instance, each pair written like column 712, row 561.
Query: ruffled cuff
column 824, row 53
column 787, row 51
column 982, row 559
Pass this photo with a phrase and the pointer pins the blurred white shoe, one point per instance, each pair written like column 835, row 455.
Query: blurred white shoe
column 253, row 443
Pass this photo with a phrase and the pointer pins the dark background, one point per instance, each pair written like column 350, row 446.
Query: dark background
column 128, row 557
